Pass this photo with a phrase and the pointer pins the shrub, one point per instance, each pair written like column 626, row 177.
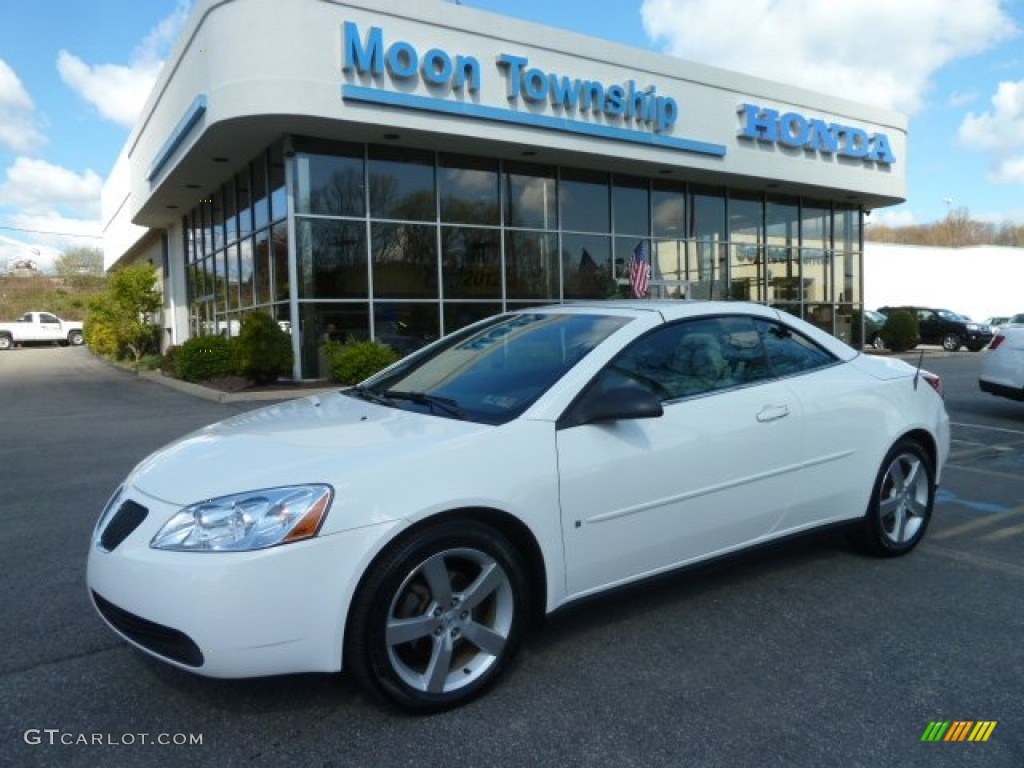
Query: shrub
column 354, row 361
column 206, row 357
column 901, row 331
column 170, row 361
column 264, row 350
column 149, row 363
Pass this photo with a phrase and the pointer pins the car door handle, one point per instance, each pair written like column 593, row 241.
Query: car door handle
column 773, row 412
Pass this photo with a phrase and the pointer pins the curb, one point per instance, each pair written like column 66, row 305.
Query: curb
column 218, row 396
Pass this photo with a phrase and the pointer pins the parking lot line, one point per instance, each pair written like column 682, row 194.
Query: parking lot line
column 981, row 522
column 1004, row 533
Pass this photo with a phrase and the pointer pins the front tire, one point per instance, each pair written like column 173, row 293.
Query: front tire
column 901, row 501
column 951, row 342
column 437, row 619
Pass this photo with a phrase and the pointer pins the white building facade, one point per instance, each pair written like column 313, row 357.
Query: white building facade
column 377, row 170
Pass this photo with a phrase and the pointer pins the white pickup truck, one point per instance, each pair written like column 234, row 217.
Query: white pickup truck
column 38, row 327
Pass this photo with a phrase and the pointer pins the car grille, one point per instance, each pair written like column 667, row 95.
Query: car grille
column 161, row 640
column 128, row 517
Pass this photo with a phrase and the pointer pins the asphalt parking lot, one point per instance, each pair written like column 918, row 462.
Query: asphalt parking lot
column 804, row 654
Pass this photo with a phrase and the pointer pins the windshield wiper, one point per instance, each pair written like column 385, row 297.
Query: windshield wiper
column 365, row 393
column 446, row 404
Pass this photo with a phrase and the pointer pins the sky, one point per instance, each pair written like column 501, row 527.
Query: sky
column 73, row 75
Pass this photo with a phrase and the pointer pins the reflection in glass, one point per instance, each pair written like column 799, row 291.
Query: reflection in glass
column 749, row 276
column 631, row 205
column 247, row 283
column 279, row 244
column 668, row 200
column 587, row 270
column 276, row 180
column 261, row 268
column 233, row 277
column 459, row 314
column 405, row 326
column 331, row 259
column 469, row 190
column 330, row 184
column 471, row 260
column 583, row 201
column 243, row 194
column 260, row 201
column 402, row 184
column 404, row 261
column 230, row 213
column 325, row 321
column 530, row 196
column 217, row 219
column 531, row 265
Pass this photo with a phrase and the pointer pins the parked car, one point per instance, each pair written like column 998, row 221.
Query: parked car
column 873, row 324
column 948, row 328
column 411, row 528
column 995, row 323
column 1002, row 367
column 39, row 328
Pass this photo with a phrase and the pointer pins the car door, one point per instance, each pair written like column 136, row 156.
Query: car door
column 42, row 327
column 711, row 474
column 930, row 326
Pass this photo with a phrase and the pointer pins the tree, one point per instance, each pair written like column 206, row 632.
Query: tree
column 80, row 261
column 119, row 321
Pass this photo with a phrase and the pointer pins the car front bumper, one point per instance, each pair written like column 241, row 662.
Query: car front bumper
column 278, row 610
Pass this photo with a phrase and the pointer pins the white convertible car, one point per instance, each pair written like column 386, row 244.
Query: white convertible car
column 411, row 529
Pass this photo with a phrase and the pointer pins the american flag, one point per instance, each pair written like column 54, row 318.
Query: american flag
column 639, row 271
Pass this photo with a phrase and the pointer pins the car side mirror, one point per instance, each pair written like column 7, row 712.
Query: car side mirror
column 615, row 404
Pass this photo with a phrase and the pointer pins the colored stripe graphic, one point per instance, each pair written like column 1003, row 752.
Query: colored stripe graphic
column 959, row 730
column 982, row 730
column 935, row 730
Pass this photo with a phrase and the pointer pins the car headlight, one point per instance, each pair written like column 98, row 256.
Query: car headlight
column 245, row 521
column 973, row 327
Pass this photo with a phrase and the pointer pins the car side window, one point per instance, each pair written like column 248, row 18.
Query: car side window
column 692, row 357
column 45, row 318
column 789, row 352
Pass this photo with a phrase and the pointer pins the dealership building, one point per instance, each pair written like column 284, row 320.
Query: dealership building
column 395, row 171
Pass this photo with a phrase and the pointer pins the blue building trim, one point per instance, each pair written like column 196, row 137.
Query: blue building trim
column 563, row 124
column 195, row 111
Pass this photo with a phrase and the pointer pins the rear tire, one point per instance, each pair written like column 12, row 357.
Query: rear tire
column 901, row 501
column 437, row 619
column 75, row 339
column 6, row 342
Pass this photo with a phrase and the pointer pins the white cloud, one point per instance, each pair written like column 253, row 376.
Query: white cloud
column 119, row 91
column 36, row 185
column 891, row 217
column 1000, row 133
column 17, row 113
column 876, row 51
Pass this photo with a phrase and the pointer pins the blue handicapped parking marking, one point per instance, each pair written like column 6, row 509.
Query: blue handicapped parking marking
column 945, row 496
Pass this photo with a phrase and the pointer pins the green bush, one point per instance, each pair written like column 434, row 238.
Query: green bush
column 354, row 361
column 901, row 331
column 207, row 357
column 170, row 361
column 264, row 350
column 149, row 363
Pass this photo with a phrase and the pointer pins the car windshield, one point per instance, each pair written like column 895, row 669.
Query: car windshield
column 491, row 373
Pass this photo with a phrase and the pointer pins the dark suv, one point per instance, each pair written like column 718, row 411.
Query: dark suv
column 951, row 330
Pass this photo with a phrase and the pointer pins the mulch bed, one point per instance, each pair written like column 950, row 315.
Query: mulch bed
column 241, row 384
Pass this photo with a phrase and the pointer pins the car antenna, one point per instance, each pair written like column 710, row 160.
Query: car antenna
column 917, row 373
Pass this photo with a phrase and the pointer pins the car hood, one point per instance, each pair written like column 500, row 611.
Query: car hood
column 303, row 441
